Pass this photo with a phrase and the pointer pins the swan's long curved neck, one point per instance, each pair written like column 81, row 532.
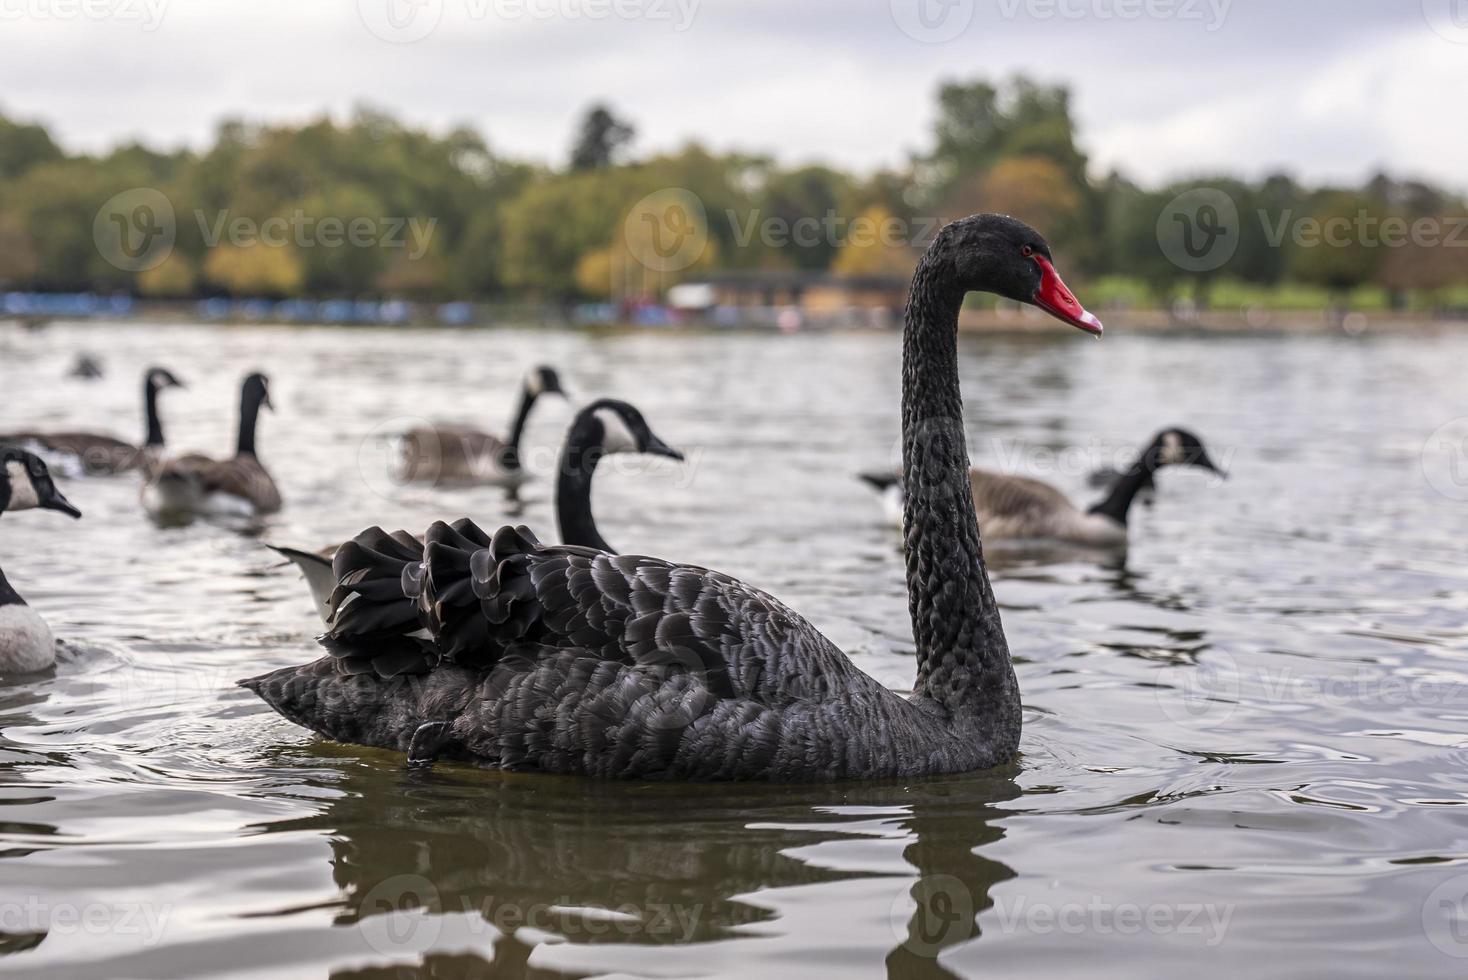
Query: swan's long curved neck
column 517, row 427
column 1118, row 502
column 150, row 409
column 963, row 659
column 573, row 494
column 249, row 416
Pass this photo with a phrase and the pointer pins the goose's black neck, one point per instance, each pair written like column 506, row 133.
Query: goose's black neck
column 1118, row 502
column 150, row 408
column 8, row 595
column 517, row 428
column 573, row 488
column 963, row 659
column 249, row 415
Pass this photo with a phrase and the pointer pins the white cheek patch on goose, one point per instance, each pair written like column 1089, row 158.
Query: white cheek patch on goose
column 532, row 384
column 616, row 437
column 1172, row 449
column 22, row 490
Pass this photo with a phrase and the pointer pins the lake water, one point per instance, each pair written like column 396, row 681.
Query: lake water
column 1244, row 748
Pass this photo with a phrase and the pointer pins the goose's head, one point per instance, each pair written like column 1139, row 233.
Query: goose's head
column 995, row 253
column 543, row 380
column 613, row 426
column 26, row 484
column 256, row 391
column 159, row 378
column 1179, row 447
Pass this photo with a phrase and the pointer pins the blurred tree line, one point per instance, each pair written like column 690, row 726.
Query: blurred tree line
column 488, row 226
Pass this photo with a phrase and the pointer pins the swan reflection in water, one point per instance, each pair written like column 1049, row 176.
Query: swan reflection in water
column 552, row 866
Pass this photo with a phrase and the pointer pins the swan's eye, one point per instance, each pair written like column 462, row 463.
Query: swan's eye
column 1027, row 250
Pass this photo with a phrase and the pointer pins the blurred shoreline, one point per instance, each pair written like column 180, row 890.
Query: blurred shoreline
column 548, row 317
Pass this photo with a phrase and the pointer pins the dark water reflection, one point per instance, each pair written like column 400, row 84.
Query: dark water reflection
column 1244, row 738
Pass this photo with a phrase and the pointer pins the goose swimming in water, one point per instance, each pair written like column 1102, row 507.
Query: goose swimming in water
column 1017, row 508
column 443, row 454
column 603, row 428
column 523, row 656
column 26, row 643
column 199, row 486
column 93, row 454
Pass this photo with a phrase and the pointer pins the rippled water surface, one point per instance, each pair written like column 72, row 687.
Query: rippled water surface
column 1244, row 748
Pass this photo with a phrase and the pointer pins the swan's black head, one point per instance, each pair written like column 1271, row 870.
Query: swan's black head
column 256, row 391
column 1179, row 447
column 994, row 253
column 25, row 483
column 613, row 426
column 543, row 380
column 159, row 378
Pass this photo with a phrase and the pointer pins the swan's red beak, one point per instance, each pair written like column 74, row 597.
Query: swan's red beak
column 1054, row 298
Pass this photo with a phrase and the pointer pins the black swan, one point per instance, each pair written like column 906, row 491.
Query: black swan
column 455, row 454
column 93, row 454
column 195, row 485
column 1017, row 508
column 26, row 643
column 605, row 427
column 563, row 659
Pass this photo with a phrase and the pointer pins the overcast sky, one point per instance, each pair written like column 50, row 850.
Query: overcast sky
column 1328, row 89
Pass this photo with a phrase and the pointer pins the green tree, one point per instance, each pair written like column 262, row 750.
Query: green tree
column 23, row 146
column 601, row 139
column 1331, row 250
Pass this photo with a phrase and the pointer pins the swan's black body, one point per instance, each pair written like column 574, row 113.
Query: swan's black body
column 566, row 659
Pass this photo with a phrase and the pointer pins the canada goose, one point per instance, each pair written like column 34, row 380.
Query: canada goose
column 196, row 485
column 26, row 643
column 1106, row 477
column 604, row 427
column 90, row 454
column 86, row 368
column 455, row 454
column 523, row 656
column 1017, row 508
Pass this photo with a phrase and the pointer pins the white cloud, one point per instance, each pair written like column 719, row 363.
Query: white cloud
column 1323, row 88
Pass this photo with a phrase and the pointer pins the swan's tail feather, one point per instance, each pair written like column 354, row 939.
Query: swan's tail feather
column 317, row 570
column 372, row 612
column 477, row 593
